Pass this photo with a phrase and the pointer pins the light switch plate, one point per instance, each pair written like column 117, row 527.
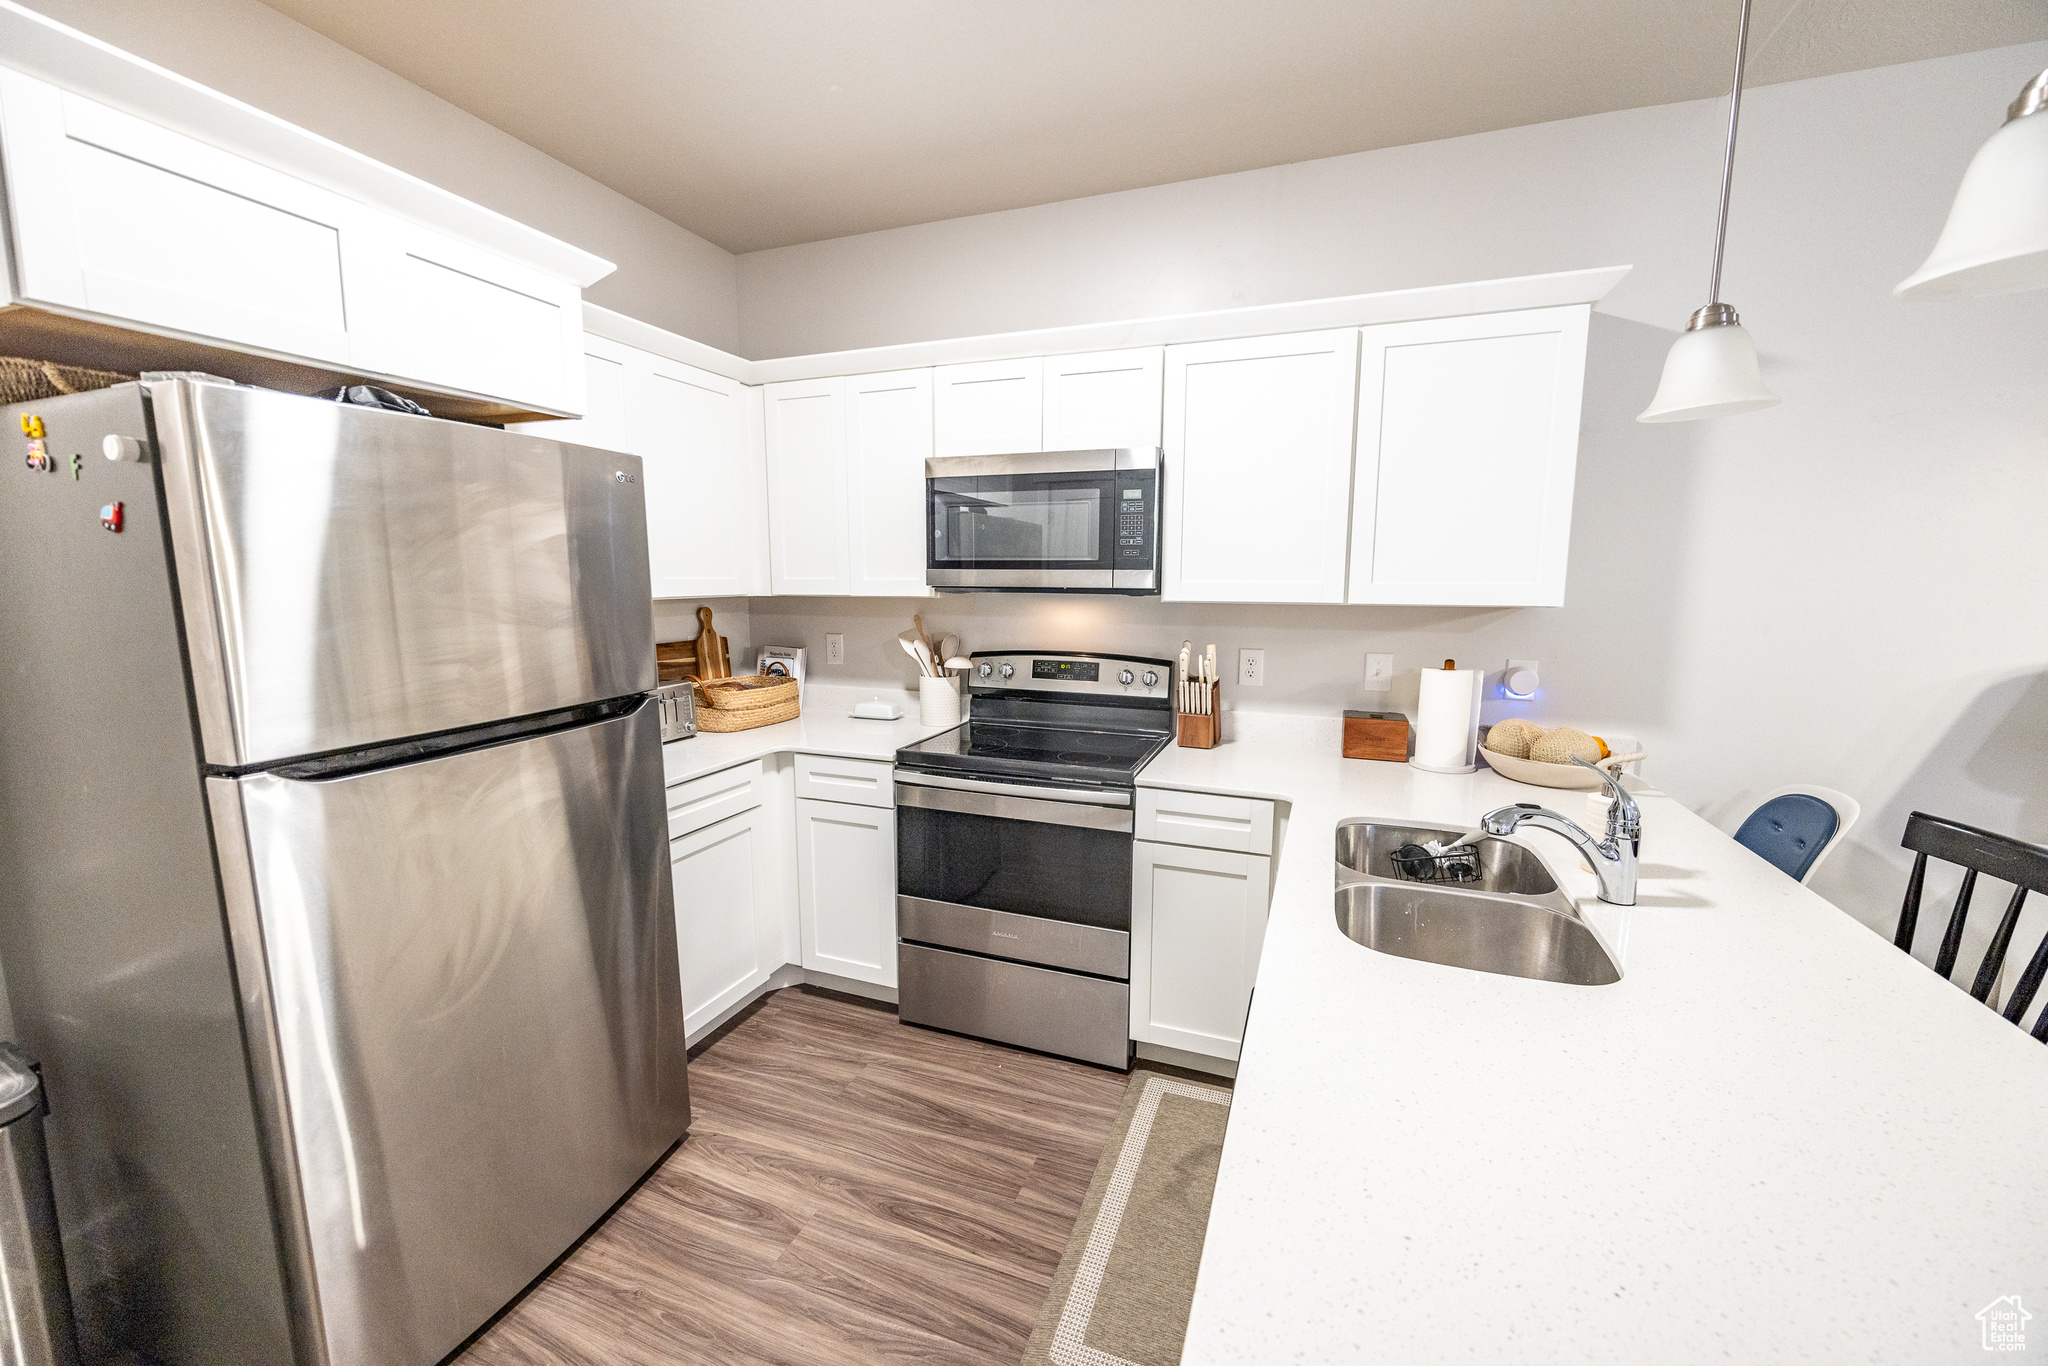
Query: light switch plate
column 1379, row 673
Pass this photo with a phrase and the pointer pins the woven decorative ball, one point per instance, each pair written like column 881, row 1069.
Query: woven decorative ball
column 1513, row 737
column 1562, row 744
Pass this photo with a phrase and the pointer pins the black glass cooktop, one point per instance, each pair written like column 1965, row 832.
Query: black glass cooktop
column 1051, row 753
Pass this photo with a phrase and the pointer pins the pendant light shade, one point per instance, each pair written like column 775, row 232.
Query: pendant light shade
column 1996, row 237
column 1710, row 372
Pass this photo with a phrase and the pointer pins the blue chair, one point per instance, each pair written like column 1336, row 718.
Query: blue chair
column 1796, row 827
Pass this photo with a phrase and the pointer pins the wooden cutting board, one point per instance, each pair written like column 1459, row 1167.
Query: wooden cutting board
column 711, row 657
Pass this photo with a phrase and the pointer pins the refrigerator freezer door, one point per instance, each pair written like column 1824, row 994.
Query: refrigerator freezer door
column 351, row 576
column 460, row 989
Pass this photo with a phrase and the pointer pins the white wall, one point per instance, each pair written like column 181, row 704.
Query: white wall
column 1844, row 590
column 666, row 275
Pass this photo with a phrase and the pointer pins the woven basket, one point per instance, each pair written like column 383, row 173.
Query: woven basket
column 725, row 704
column 25, row 381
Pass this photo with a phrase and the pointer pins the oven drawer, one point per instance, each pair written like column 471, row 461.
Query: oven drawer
column 1051, row 943
column 1054, row 1012
column 864, row 782
column 1206, row 820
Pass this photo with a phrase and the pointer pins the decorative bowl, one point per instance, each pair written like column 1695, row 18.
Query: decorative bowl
column 1540, row 774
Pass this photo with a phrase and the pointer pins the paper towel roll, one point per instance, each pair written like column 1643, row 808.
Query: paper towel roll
column 1447, row 721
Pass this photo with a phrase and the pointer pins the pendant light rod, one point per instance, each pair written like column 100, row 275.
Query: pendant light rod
column 1728, row 161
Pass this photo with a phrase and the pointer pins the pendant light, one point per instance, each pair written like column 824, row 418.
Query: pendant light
column 1712, row 370
column 1996, row 237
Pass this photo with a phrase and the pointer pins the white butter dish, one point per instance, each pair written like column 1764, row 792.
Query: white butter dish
column 877, row 710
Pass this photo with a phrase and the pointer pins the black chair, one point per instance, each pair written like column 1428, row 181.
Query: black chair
column 2024, row 865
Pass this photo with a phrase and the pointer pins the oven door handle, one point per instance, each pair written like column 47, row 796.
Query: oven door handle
column 1093, row 796
column 995, row 799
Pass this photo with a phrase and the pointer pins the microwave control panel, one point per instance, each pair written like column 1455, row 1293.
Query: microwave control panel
column 1137, row 519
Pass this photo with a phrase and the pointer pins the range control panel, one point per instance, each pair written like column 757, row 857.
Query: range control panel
column 1080, row 676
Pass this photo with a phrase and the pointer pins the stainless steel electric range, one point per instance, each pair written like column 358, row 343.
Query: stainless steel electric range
column 1013, row 853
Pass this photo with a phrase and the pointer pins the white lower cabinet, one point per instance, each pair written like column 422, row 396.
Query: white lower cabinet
column 846, row 889
column 724, row 930
column 1198, row 918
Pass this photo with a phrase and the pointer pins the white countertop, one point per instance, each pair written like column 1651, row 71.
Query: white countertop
column 824, row 728
column 1777, row 1138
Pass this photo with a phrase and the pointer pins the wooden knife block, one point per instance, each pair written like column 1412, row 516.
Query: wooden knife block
column 1203, row 732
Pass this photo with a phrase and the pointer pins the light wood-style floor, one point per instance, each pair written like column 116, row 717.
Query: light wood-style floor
column 852, row 1190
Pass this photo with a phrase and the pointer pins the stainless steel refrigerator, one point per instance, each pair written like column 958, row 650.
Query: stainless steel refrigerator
column 334, row 881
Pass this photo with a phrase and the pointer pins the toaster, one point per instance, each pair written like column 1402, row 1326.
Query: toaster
column 678, row 703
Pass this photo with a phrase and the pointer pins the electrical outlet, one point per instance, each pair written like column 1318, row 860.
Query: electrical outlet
column 1251, row 668
column 1379, row 673
column 835, row 648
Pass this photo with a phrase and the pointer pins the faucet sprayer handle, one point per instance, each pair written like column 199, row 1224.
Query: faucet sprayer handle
column 1624, row 817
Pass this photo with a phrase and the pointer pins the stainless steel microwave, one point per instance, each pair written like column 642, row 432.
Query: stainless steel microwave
column 1044, row 521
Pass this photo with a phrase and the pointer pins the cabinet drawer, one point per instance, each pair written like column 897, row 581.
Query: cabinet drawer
column 864, row 782
column 711, row 798
column 1205, row 820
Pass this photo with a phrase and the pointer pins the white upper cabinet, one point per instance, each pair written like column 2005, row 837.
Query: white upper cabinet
column 1468, row 435
column 807, row 521
column 605, row 423
column 699, row 438
column 116, row 216
column 989, row 408
column 888, row 439
column 427, row 305
column 1258, row 468
column 1104, row 400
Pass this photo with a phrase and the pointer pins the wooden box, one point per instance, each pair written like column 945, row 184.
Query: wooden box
column 1203, row 732
column 1376, row 735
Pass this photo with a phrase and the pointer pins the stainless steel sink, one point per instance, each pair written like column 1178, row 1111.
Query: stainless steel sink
column 1367, row 847
column 1512, row 919
column 1462, row 929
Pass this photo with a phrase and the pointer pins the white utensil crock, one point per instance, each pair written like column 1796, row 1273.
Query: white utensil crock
column 938, row 701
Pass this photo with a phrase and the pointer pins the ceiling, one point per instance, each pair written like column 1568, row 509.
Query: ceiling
column 760, row 123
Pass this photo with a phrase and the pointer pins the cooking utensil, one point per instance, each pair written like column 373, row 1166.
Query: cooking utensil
column 917, row 620
column 949, row 645
column 960, row 662
column 914, row 648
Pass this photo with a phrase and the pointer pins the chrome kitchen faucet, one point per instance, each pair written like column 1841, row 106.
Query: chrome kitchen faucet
column 1613, row 859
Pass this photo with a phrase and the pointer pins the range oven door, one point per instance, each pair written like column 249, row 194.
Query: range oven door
column 1013, row 913
column 1084, row 520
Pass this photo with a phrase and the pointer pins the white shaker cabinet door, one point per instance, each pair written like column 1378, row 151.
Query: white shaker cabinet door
column 989, row 407
column 113, row 215
column 721, row 904
column 1258, row 468
column 806, row 429
column 1198, row 921
column 846, row 889
column 703, row 468
column 452, row 315
column 888, row 439
column 606, row 423
column 1468, row 440
column 1104, row 400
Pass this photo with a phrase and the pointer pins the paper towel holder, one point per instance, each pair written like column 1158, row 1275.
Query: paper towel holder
column 1441, row 714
